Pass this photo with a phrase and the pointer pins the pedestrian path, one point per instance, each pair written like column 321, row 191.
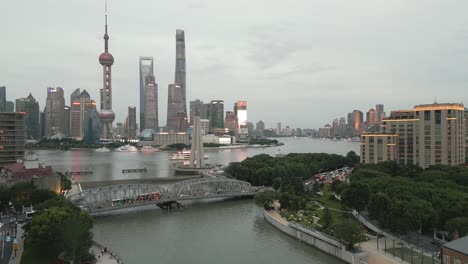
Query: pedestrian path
column 104, row 258
column 20, row 246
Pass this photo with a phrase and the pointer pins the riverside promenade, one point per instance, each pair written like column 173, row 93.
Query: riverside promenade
column 107, row 257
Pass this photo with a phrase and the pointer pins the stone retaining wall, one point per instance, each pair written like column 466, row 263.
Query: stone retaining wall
column 318, row 240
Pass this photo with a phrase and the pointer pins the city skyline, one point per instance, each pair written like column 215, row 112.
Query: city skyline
column 246, row 60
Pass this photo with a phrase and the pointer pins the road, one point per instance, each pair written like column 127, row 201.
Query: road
column 6, row 248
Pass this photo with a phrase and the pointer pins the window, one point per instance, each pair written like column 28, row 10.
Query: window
column 457, row 260
column 446, row 259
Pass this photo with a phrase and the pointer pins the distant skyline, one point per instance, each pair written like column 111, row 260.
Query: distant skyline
column 302, row 63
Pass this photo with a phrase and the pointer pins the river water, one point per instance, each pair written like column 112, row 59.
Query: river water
column 231, row 231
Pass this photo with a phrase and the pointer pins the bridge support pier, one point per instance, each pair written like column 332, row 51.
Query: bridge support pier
column 169, row 205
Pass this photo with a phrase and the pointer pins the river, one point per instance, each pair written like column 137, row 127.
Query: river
column 231, row 231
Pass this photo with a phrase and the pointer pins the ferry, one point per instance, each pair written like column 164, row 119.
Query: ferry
column 30, row 156
column 149, row 149
column 103, row 149
column 126, row 148
column 183, row 155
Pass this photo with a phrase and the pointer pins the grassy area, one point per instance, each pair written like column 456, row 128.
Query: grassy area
column 31, row 256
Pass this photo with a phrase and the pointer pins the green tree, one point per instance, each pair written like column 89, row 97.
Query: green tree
column 379, row 204
column 349, row 233
column 356, row 196
column 458, row 224
column 326, row 218
column 76, row 236
column 352, row 158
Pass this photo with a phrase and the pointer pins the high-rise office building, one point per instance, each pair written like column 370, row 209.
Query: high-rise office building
column 106, row 115
column 250, row 128
column 432, row 134
column 379, row 109
column 216, row 113
column 42, row 123
column 180, row 70
column 120, row 130
column 146, row 67
column 335, row 128
column 151, row 104
column 195, row 109
column 81, row 104
column 278, row 129
column 174, row 106
column 9, row 106
column 259, row 128
column 12, row 139
column 75, row 95
column 2, row 98
column 205, row 111
column 231, row 123
column 357, row 118
column 55, row 111
column 66, row 120
column 371, row 118
column 131, row 119
column 30, row 107
column 205, row 126
column 240, row 110
column 92, row 128
column 181, row 122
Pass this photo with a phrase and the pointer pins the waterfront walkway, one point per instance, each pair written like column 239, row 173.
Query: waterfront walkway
column 20, row 243
column 108, row 257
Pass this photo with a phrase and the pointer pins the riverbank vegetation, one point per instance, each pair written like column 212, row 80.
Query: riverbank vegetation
column 68, row 143
column 57, row 229
column 316, row 207
column 405, row 198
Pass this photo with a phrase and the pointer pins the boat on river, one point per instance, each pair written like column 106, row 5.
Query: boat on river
column 183, row 155
column 103, row 149
column 30, row 156
column 126, row 148
column 149, row 149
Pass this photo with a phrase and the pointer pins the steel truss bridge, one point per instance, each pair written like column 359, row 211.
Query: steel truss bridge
column 105, row 200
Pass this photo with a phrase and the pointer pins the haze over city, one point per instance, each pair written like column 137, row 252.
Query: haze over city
column 319, row 59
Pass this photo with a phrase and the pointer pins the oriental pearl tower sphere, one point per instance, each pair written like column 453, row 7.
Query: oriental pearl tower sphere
column 106, row 114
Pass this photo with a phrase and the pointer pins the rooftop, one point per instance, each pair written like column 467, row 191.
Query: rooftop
column 460, row 245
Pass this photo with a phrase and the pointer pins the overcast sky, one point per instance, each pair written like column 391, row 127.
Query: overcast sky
column 301, row 62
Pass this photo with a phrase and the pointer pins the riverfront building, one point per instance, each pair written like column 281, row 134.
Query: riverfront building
column 216, row 113
column 146, row 68
column 455, row 251
column 81, row 104
column 2, row 99
column 432, row 134
column 131, row 122
column 55, row 111
column 151, row 103
column 169, row 138
column 30, row 107
column 92, row 127
column 12, row 132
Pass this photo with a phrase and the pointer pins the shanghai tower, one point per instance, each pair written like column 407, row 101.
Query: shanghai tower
column 106, row 114
column 180, row 67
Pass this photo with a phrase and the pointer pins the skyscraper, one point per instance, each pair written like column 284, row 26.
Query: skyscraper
column 66, row 120
column 106, row 115
column 92, row 128
column 55, row 111
column 2, row 98
column 240, row 110
column 371, row 118
column 146, row 67
column 174, row 106
column 259, row 128
column 278, row 129
column 231, row 123
column 80, row 106
column 9, row 106
column 12, row 143
column 131, row 133
column 357, row 118
column 216, row 113
column 195, row 110
column 180, row 67
column 30, row 107
column 379, row 109
column 151, row 104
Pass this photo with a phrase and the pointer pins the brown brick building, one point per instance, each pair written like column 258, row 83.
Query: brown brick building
column 455, row 252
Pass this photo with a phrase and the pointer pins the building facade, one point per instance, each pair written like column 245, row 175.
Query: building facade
column 180, row 69
column 216, row 113
column 80, row 106
column 455, row 251
column 259, row 128
column 174, row 106
column 146, row 67
column 196, row 107
column 169, row 138
column 92, row 127
column 2, row 99
column 30, row 107
column 432, row 134
column 377, row 148
column 55, row 111
column 131, row 122
column 151, row 104
column 231, row 123
column 12, row 137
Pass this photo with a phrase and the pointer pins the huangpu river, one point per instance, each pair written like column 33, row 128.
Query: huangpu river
column 230, row 231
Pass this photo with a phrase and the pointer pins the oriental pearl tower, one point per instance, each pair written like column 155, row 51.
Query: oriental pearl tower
column 106, row 114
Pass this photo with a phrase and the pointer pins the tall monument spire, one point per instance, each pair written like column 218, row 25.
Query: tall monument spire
column 106, row 114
